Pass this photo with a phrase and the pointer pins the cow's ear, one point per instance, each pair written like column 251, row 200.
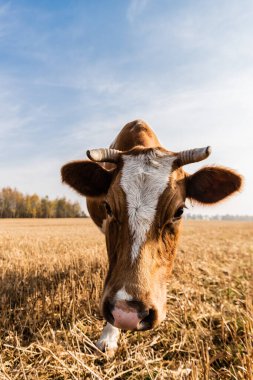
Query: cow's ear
column 212, row 184
column 87, row 178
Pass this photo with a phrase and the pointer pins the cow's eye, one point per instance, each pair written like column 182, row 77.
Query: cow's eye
column 178, row 214
column 108, row 208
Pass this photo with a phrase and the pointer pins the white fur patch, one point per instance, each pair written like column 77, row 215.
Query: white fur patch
column 122, row 295
column 109, row 338
column 144, row 178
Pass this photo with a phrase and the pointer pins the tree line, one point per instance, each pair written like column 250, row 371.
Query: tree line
column 14, row 204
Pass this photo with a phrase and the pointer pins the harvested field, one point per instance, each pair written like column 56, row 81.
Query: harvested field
column 51, row 280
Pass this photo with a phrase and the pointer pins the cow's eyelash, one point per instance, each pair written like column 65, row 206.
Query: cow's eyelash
column 107, row 208
column 173, row 218
column 110, row 213
column 178, row 213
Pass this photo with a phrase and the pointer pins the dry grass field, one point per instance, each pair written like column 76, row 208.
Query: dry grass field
column 51, row 279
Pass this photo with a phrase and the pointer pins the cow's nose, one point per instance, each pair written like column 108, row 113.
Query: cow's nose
column 129, row 315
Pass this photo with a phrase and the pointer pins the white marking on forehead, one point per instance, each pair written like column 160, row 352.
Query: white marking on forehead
column 144, row 178
column 122, row 295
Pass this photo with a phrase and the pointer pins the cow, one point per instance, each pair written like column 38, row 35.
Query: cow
column 136, row 192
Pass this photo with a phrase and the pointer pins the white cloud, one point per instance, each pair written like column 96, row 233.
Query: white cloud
column 135, row 8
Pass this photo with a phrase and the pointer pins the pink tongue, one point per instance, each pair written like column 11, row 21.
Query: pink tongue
column 125, row 319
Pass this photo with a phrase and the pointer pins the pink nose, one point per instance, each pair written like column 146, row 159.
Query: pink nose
column 125, row 317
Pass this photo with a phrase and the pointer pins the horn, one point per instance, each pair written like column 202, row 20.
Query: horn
column 193, row 155
column 104, row 155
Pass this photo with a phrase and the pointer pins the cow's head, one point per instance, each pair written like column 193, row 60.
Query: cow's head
column 142, row 201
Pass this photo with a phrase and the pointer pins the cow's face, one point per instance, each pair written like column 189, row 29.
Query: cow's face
column 144, row 206
column 143, row 200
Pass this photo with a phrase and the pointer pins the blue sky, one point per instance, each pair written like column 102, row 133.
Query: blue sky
column 72, row 73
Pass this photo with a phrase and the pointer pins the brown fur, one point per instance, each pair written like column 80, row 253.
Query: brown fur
column 87, row 177
column 212, row 184
column 145, row 279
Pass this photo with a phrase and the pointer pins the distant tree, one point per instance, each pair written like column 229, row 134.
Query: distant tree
column 35, row 205
column 14, row 204
column 61, row 208
column 45, row 207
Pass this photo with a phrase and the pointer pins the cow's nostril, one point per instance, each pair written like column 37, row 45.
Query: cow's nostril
column 148, row 320
column 143, row 314
column 107, row 312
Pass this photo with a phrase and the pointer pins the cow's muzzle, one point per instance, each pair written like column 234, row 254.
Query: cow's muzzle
column 129, row 315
